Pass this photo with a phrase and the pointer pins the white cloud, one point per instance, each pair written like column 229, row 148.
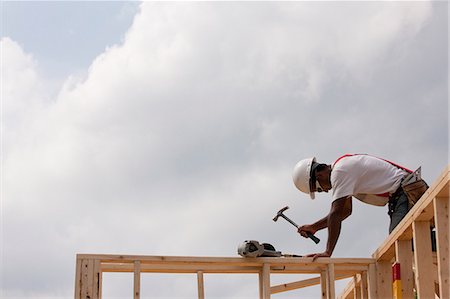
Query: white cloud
column 181, row 140
column 22, row 88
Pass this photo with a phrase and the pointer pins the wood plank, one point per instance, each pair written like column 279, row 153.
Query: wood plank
column 260, row 282
column 90, row 279
column 323, row 284
column 265, row 283
column 303, row 284
column 78, row 266
column 294, row 285
column 211, row 268
column 363, row 285
column 423, row 259
column 441, row 208
column 137, row 280
column 331, row 292
column 384, row 279
column 404, row 256
column 84, row 278
column 261, row 286
column 445, row 191
column 357, row 287
column 97, row 287
column 237, row 261
column 87, row 279
column 349, row 290
column 200, row 285
column 168, row 268
column 372, row 281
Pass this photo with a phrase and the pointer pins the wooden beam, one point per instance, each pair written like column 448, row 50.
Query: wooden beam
column 404, row 256
column 441, row 220
column 349, row 290
column 323, row 284
column 312, row 268
column 303, row 283
column 372, row 281
column 137, row 280
column 331, row 293
column 423, row 259
column 384, row 279
column 78, row 271
column 86, row 279
column 90, row 279
column 356, row 287
column 275, row 262
column 363, row 285
column 265, row 281
column 294, row 285
column 97, row 280
column 201, row 286
column 260, row 282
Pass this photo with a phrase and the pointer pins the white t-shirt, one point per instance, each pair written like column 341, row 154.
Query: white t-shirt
column 366, row 178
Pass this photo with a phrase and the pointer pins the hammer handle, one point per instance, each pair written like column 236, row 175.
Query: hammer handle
column 311, row 236
column 314, row 238
column 289, row 220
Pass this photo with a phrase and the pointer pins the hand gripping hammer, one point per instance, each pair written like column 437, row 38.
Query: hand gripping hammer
column 280, row 213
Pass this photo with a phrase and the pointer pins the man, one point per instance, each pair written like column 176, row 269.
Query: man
column 370, row 179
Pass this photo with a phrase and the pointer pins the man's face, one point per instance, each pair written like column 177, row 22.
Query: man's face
column 320, row 180
column 314, row 185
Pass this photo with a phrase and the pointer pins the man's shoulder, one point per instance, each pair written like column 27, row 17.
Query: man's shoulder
column 349, row 167
column 346, row 162
column 354, row 160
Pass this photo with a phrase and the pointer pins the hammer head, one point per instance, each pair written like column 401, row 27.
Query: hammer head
column 279, row 213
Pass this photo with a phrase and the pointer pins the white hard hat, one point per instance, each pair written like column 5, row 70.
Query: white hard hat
column 302, row 175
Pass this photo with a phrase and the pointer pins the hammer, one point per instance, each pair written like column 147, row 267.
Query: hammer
column 280, row 213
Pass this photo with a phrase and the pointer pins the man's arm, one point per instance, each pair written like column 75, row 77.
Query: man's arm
column 323, row 223
column 340, row 209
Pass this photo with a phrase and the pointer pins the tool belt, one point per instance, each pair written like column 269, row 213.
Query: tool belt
column 413, row 186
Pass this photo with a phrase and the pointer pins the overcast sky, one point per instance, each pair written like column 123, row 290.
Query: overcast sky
column 172, row 129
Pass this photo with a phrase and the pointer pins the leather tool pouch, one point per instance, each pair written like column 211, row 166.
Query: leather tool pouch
column 414, row 187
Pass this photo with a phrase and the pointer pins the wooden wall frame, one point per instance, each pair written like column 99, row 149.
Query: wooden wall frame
column 421, row 269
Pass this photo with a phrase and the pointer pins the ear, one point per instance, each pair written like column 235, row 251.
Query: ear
column 323, row 173
column 320, row 173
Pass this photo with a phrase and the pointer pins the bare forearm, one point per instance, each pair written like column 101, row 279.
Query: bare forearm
column 340, row 210
column 321, row 224
column 334, row 230
column 325, row 221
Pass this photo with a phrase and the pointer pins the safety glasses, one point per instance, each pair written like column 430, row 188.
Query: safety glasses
column 314, row 184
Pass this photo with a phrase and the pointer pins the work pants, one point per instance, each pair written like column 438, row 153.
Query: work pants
column 399, row 210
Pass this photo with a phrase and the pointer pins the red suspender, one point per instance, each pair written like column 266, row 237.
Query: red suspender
column 392, row 163
column 398, row 166
column 340, row 158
